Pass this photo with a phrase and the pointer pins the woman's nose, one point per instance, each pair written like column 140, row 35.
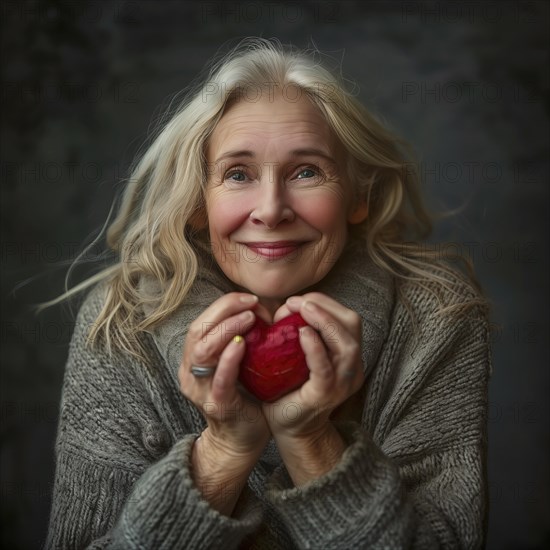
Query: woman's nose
column 272, row 205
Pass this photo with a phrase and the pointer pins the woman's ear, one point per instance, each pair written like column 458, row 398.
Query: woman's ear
column 358, row 213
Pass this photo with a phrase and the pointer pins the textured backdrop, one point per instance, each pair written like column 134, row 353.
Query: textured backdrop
column 465, row 82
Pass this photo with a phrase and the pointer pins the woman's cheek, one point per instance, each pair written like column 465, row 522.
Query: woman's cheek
column 324, row 213
column 226, row 215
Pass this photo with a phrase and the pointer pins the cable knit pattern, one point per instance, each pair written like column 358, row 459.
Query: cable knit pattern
column 412, row 476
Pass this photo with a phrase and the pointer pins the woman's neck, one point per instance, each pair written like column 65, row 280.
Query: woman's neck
column 271, row 305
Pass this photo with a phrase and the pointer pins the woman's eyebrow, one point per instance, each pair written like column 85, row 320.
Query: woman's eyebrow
column 304, row 152
column 235, row 154
column 311, row 152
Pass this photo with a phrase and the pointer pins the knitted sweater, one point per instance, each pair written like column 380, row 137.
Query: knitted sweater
column 413, row 474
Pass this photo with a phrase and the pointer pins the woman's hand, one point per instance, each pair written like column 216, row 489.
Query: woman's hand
column 300, row 421
column 237, row 431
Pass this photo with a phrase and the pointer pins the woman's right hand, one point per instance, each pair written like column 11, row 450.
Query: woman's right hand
column 237, row 430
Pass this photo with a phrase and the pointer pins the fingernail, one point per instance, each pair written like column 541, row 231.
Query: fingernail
column 294, row 301
column 248, row 298
column 238, row 339
column 246, row 316
column 310, row 306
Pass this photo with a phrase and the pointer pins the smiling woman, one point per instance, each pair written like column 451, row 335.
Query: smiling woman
column 278, row 200
column 289, row 206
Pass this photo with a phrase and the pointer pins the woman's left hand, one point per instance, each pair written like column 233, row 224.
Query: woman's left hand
column 300, row 421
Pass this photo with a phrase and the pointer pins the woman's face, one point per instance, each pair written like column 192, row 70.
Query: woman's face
column 277, row 202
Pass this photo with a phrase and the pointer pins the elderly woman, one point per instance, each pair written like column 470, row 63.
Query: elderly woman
column 270, row 192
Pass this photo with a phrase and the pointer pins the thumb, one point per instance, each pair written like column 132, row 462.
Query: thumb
column 321, row 371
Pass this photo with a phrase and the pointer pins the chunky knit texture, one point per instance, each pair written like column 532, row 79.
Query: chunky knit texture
column 413, row 474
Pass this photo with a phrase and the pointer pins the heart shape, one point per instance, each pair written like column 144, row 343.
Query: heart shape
column 274, row 363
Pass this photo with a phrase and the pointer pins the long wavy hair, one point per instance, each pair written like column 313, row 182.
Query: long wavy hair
column 164, row 194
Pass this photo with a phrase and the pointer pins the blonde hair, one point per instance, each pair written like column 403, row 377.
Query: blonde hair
column 164, row 194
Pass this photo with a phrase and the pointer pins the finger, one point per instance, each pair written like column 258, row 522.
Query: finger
column 344, row 349
column 344, row 315
column 224, row 383
column 224, row 307
column 335, row 335
column 281, row 313
column 208, row 349
column 327, row 379
column 321, row 371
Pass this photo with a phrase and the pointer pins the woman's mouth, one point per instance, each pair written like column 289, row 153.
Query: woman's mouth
column 275, row 249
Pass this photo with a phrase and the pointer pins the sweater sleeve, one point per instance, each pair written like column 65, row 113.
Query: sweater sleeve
column 110, row 490
column 419, row 480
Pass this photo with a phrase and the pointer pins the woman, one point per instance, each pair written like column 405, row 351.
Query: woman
column 271, row 191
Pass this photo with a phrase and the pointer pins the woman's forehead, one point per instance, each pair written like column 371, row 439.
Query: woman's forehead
column 296, row 123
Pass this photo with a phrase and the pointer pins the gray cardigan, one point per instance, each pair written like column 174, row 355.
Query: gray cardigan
column 413, row 474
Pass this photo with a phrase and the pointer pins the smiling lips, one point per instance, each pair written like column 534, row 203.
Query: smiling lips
column 275, row 249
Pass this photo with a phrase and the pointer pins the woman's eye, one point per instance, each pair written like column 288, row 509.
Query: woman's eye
column 310, row 174
column 235, row 175
column 306, row 173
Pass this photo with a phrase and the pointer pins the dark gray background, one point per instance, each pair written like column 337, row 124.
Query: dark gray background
column 466, row 82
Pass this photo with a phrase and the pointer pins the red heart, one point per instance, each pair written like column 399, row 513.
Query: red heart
column 274, row 363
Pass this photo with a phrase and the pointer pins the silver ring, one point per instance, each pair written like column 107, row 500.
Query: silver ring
column 200, row 371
